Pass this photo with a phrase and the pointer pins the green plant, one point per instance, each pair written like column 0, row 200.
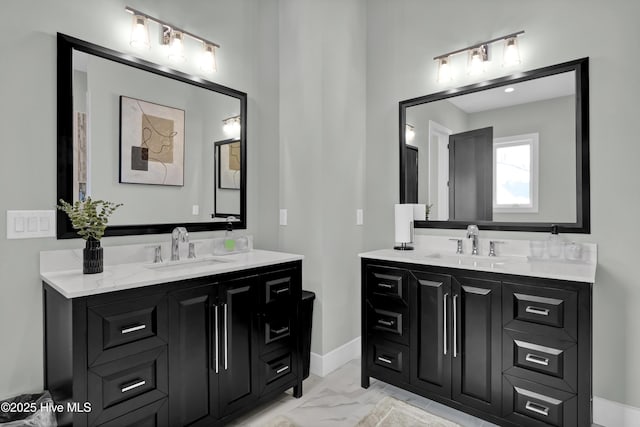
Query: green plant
column 89, row 217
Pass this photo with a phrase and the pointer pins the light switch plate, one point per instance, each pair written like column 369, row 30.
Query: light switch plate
column 195, row 209
column 359, row 217
column 31, row 224
column 283, row 217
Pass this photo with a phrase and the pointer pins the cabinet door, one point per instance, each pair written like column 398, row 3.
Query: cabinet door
column 431, row 332
column 238, row 344
column 477, row 343
column 193, row 381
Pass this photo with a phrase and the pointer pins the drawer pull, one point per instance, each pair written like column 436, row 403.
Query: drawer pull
column 281, row 291
column 537, row 359
column 385, row 322
column 133, row 329
column 132, row 386
column 535, row 310
column 385, row 285
column 281, row 370
column 538, row 409
column 382, row 359
column 280, row 331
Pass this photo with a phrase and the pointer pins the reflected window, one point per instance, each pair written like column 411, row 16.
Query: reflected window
column 515, row 178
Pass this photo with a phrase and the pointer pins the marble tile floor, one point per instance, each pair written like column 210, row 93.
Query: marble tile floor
column 338, row 401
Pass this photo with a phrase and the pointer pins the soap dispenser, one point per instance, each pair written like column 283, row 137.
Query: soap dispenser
column 229, row 238
column 554, row 243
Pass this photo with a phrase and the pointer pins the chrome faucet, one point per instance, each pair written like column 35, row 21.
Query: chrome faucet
column 472, row 233
column 179, row 234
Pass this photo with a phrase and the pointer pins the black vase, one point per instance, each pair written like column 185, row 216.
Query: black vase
column 92, row 257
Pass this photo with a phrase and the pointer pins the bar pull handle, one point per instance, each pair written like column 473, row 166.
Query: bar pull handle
column 226, row 338
column 385, row 360
column 455, row 326
column 536, row 310
column 281, row 291
column 537, row 408
column 280, row 331
column 133, row 329
column 537, row 359
column 444, row 322
column 385, row 285
column 217, row 340
column 385, row 322
column 136, row 384
column 281, row 370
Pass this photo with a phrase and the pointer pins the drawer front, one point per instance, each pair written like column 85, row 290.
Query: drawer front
column 389, row 359
column 119, row 387
column 154, row 415
column 531, row 404
column 389, row 323
column 279, row 286
column 533, row 308
column 541, row 359
column 125, row 327
column 277, row 328
column 278, row 369
column 387, row 283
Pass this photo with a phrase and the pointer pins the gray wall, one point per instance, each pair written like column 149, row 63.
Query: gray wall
column 411, row 33
column 247, row 32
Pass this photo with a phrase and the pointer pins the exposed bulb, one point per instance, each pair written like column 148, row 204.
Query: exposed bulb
column 140, row 33
column 511, row 52
column 475, row 64
column 176, row 47
column 444, row 70
column 208, row 59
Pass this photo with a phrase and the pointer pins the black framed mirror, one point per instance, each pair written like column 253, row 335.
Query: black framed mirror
column 506, row 154
column 138, row 133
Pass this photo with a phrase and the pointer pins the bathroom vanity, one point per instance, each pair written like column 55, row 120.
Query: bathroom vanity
column 506, row 339
column 174, row 344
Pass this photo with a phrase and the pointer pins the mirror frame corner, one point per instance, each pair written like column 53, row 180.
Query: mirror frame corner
column 583, row 189
column 65, row 46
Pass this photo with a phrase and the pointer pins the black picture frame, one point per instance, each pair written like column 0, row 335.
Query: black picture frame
column 218, row 162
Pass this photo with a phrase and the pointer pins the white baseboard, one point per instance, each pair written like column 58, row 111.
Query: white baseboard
column 608, row 413
column 322, row 365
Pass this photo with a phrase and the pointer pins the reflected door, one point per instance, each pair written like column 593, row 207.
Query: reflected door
column 471, row 175
column 411, row 185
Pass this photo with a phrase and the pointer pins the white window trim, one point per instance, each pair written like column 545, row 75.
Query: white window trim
column 532, row 140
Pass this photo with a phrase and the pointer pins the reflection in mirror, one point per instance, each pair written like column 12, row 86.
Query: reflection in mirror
column 145, row 136
column 505, row 152
column 227, row 178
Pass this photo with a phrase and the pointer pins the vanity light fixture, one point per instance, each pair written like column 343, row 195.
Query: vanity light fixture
column 409, row 133
column 478, row 56
column 172, row 37
column 231, row 126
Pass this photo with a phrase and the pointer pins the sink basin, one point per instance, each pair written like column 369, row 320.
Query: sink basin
column 186, row 264
column 477, row 260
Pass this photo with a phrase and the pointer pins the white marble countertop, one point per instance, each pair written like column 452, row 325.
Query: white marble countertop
column 72, row 283
column 439, row 251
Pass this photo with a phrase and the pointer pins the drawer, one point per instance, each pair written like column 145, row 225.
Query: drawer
column 154, row 415
column 389, row 359
column 541, row 359
column 389, row 323
column 119, row 387
column 278, row 369
column 279, row 285
column 387, row 283
column 276, row 332
column 125, row 327
column 530, row 308
column 530, row 404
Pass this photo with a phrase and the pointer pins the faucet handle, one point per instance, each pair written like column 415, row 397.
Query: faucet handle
column 492, row 246
column 459, row 248
column 157, row 258
column 192, row 250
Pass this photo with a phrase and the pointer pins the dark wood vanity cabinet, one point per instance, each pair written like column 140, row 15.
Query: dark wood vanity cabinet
column 513, row 350
column 190, row 353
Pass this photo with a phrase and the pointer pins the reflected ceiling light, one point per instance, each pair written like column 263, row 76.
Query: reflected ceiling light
column 511, row 52
column 231, row 126
column 140, row 32
column 208, row 59
column 478, row 56
column 409, row 133
column 444, row 70
column 509, row 90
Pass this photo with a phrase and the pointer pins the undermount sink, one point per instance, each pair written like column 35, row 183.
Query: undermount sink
column 186, row 263
column 477, row 260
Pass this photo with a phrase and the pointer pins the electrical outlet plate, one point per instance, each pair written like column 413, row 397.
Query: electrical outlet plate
column 283, row 217
column 31, row 224
column 359, row 217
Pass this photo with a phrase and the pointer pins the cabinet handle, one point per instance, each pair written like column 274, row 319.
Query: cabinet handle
column 444, row 323
column 281, row 290
column 133, row 329
column 385, row 322
column 537, row 359
column 281, row 370
column 455, row 326
column 382, row 359
column 280, row 331
column 217, row 340
column 226, row 337
column 538, row 409
column 536, row 310
column 138, row 383
column 385, row 285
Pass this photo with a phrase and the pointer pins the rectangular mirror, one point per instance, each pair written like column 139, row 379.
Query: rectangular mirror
column 140, row 134
column 506, row 154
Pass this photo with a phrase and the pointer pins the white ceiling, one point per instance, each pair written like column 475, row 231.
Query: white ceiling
column 541, row 89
